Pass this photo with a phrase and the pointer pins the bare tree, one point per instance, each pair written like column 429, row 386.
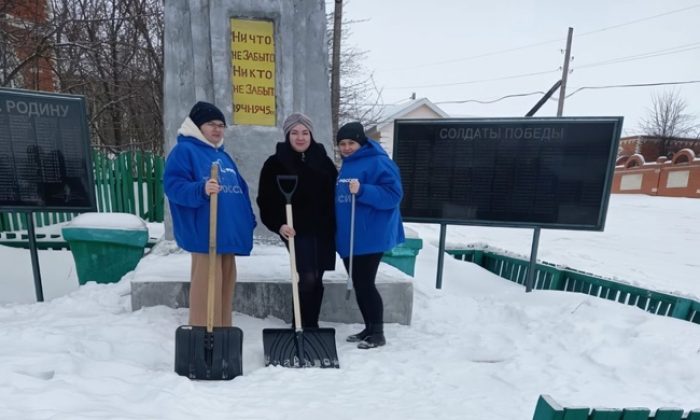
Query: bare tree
column 110, row 51
column 335, row 63
column 667, row 119
column 112, row 54
column 358, row 97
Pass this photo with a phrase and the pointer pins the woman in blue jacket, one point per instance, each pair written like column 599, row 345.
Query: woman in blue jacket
column 200, row 144
column 369, row 174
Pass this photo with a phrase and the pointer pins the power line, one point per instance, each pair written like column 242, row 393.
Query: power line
column 474, row 57
column 632, row 22
column 537, row 44
column 651, row 54
column 686, row 82
column 516, row 95
column 470, row 82
column 513, row 95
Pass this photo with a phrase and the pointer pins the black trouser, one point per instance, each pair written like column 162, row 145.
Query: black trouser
column 364, row 275
column 310, row 296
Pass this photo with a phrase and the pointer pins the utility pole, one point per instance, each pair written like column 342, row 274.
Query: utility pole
column 335, row 63
column 565, row 73
column 532, row 268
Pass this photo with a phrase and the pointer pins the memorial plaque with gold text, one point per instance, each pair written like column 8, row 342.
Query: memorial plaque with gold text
column 253, row 72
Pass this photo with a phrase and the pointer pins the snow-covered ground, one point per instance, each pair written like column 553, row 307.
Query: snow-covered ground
column 652, row 242
column 480, row 348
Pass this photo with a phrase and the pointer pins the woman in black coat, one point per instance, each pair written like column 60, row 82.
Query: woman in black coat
column 312, row 205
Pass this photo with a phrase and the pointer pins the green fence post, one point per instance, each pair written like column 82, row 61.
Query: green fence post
column 668, row 414
column 635, row 413
column 18, row 222
column 681, row 309
column 606, row 414
column 123, row 178
column 97, row 175
column 139, row 184
column 694, row 414
column 111, row 190
column 548, row 409
column 106, row 189
column 576, row 413
column 151, row 187
column 112, row 184
column 118, row 183
column 160, row 195
column 556, row 283
column 478, row 257
column 129, row 184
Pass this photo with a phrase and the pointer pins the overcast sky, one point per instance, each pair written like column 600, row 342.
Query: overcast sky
column 456, row 50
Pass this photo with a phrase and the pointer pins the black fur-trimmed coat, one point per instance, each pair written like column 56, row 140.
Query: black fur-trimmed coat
column 312, row 203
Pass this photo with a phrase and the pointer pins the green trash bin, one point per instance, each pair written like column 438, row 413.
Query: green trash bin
column 403, row 256
column 105, row 246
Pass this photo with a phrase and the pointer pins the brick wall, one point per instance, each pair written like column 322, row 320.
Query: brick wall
column 23, row 24
column 35, row 11
column 677, row 177
column 650, row 147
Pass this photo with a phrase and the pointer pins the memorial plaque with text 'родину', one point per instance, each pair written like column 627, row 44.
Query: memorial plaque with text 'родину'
column 45, row 161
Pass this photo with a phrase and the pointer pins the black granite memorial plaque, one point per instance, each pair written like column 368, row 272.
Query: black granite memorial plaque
column 528, row 172
column 45, row 160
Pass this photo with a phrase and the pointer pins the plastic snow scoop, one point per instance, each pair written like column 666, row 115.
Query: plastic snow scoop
column 210, row 353
column 298, row 347
column 348, row 283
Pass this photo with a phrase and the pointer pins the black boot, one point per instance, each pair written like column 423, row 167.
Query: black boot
column 372, row 341
column 356, row 338
column 374, row 338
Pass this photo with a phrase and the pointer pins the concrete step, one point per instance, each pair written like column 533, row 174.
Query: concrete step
column 264, row 287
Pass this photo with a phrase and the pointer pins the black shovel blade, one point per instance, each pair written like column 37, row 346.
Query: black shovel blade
column 311, row 347
column 216, row 355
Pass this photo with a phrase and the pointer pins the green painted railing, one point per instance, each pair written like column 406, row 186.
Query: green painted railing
column 548, row 409
column 551, row 277
column 130, row 182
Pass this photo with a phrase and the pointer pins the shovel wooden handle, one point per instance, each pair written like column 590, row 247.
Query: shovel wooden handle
column 287, row 185
column 213, row 206
column 295, row 274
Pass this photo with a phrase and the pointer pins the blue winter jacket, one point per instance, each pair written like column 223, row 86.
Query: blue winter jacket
column 186, row 171
column 378, row 225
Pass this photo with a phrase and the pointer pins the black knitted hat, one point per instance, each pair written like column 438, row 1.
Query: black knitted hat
column 352, row 131
column 203, row 112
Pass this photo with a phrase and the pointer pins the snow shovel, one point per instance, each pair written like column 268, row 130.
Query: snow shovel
column 209, row 353
column 298, row 347
column 348, row 283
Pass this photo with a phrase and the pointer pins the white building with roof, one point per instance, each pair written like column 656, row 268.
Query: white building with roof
column 416, row 108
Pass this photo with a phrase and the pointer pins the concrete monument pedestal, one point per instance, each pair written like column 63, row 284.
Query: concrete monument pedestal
column 264, row 287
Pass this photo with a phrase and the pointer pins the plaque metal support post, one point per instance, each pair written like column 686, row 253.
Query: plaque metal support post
column 532, row 268
column 441, row 255
column 31, row 237
column 530, row 274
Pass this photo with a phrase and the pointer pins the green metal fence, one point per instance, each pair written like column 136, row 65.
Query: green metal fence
column 551, row 277
column 548, row 409
column 130, row 182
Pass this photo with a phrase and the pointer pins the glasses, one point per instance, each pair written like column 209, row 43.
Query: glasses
column 215, row 125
